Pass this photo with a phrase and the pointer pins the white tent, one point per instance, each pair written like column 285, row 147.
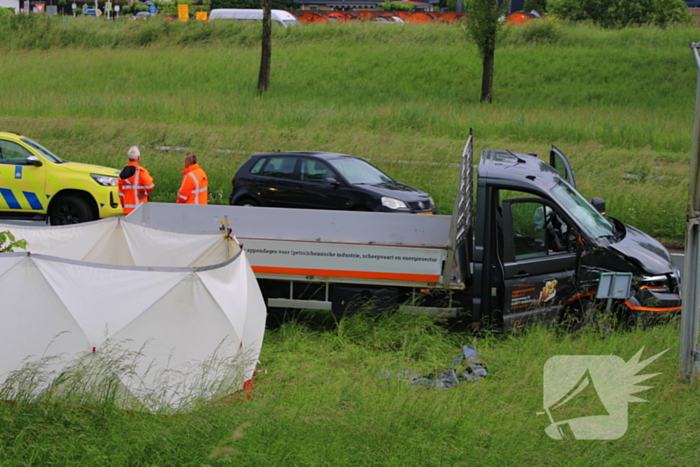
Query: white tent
column 171, row 318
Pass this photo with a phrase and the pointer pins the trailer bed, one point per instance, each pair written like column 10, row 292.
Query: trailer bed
column 320, row 245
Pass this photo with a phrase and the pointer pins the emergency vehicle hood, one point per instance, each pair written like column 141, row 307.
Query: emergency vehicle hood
column 89, row 169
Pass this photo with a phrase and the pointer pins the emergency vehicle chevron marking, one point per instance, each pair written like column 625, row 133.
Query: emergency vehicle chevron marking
column 10, row 198
column 33, row 200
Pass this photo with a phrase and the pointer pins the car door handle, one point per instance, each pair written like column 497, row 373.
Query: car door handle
column 521, row 274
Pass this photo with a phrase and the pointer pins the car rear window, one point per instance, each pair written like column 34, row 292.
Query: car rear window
column 258, row 165
column 279, row 167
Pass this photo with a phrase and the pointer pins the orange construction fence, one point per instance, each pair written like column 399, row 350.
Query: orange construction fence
column 415, row 17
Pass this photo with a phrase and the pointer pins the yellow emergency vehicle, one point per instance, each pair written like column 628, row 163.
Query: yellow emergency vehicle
column 36, row 184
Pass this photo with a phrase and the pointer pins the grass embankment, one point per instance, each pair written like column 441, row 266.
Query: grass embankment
column 619, row 103
column 323, row 401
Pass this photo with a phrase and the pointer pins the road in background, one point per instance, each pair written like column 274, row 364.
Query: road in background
column 678, row 260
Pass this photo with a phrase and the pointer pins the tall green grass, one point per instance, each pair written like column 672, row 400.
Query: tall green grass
column 324, row 399
column 618, row 103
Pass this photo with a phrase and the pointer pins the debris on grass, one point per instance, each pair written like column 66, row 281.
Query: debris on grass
column 466, row 368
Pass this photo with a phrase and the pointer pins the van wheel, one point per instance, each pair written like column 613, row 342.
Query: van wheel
column 573, row 317
column 70, row 210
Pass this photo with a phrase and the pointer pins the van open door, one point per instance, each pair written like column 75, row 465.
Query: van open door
column 539, row 261
column 558, row 160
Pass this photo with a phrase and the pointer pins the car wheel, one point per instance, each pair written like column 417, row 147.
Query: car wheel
column 70, row 210
column 246, row 202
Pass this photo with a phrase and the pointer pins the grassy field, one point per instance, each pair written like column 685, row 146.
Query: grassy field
column 619, row 103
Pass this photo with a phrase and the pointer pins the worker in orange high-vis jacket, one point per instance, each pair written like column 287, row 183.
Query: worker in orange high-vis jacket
column 195, row 185
column 135, row 183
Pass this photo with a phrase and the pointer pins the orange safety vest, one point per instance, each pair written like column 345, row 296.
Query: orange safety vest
column 195, row 186
column 135, row 186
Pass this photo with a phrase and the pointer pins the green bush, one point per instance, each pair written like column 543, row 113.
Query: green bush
column 537, row 5
column 538, row 31
column 621, row 13
column 6, row 11
column 396, row 6
column 170, row 8
column 8, row 243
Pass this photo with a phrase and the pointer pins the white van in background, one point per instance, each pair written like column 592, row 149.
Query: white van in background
column 281, row 17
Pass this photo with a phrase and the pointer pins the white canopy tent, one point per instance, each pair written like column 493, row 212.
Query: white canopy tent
column 171, row 318
column 123, row 242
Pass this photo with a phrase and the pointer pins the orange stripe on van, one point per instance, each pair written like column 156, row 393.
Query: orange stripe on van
column 394, row 276
column 646, row 308
column 580, row 296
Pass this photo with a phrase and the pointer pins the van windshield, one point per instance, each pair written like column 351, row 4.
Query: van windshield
column 582, row 210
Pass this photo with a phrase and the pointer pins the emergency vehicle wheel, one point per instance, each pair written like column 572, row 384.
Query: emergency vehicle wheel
column 69, row 210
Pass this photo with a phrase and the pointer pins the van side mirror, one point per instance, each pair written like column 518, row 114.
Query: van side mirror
column 35, row 161
column 599, row 205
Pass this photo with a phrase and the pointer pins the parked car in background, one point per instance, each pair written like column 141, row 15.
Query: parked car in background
column 323, row 180
column 36, row 184
column 142, row 15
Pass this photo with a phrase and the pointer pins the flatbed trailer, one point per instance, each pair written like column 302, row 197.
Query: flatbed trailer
column 333, row 250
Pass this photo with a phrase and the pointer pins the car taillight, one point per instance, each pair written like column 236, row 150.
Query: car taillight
column 233, row 180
